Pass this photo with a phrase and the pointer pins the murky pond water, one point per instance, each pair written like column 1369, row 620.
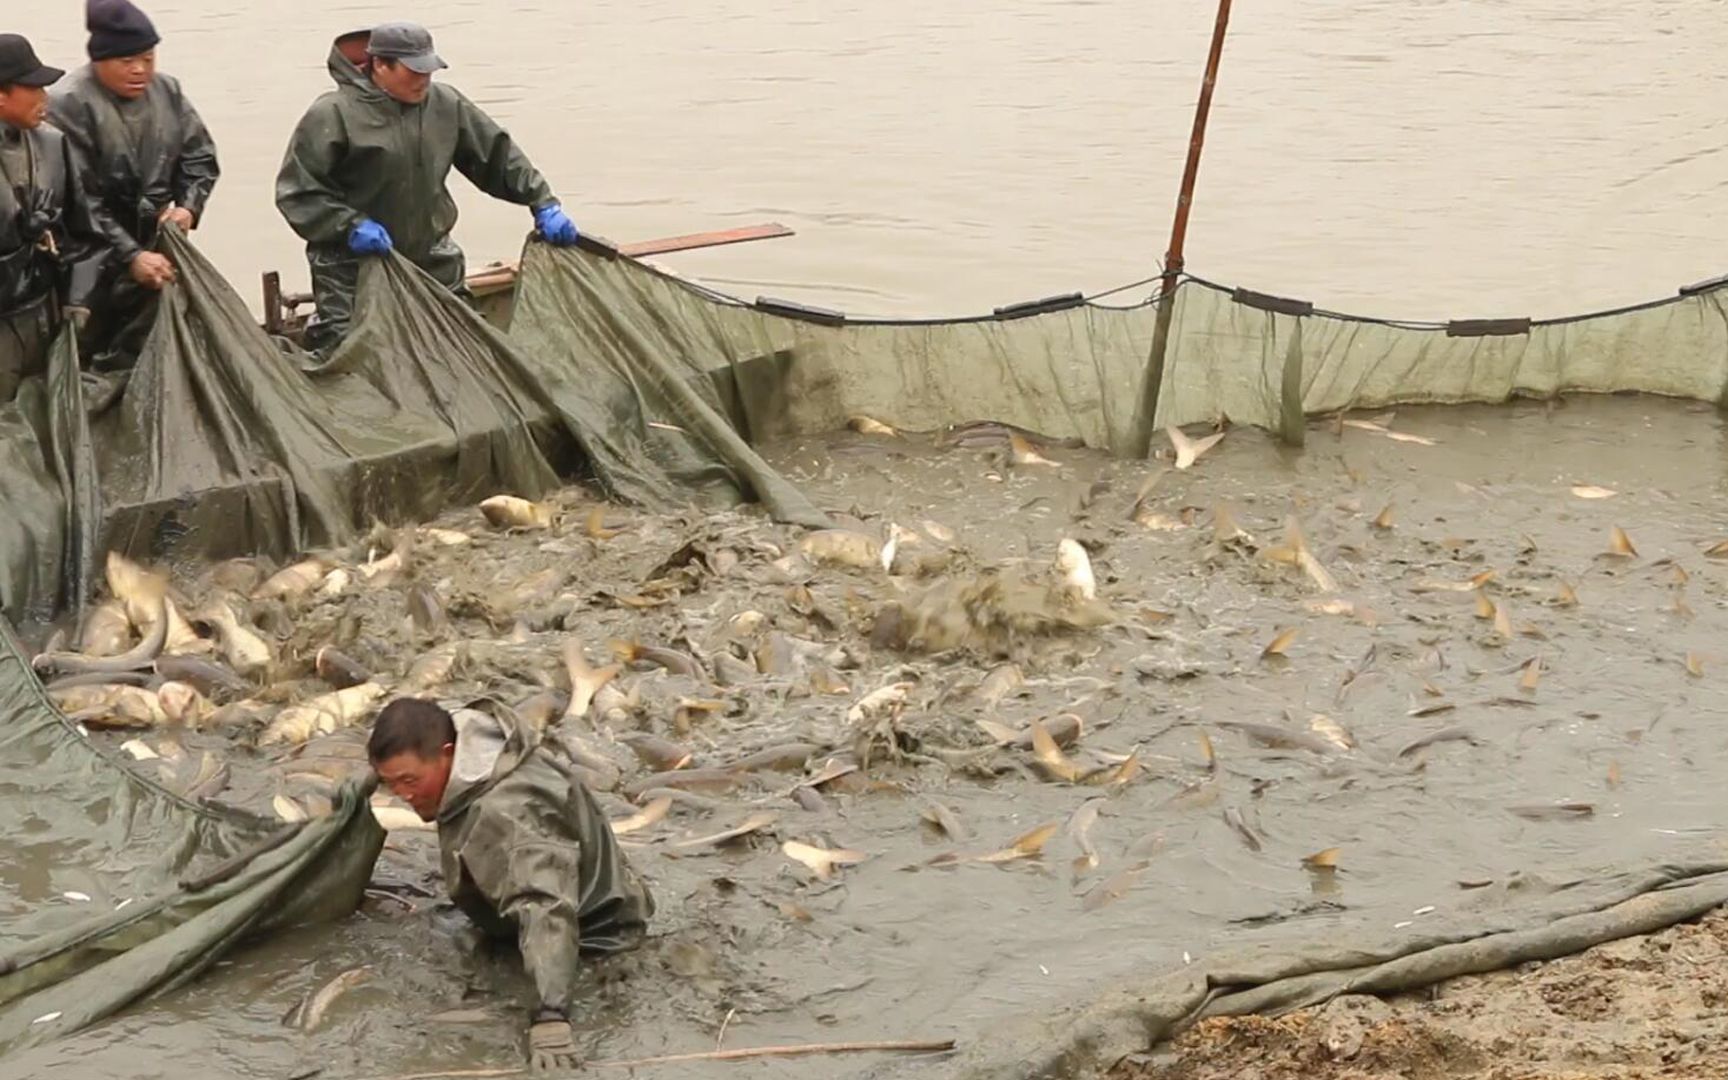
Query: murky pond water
column 1447, row 158
column 1618, row 718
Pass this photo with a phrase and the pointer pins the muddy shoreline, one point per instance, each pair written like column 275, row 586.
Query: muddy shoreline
column 1641, row 1008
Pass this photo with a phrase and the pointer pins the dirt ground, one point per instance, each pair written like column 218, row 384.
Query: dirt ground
column 1636, row 1009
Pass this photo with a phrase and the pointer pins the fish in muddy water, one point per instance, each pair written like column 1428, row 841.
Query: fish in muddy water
column 940, row 816
column 1620, row 545
column 1332, row 731
column 647, row 817
column 1114, row 887
column 678, row 663
column 510, row 512
column 751, row 825
column 585, row 679
column 213, row 680
column 1226, row 532
column 314, row 1009
column 1189, row 451
column 844, row 548
column 1562, row 811
column 446, row 537
column 288, row 810
column 1074, row 569
column 661, row 755
column 338, row 669
column 865, row 425
column 182, row 704
column 335, row 583
column 1023, row 454
column 292, row 582
column 1532, row 675
column 1446, row 734
column 1064, row 728
column 145, row 594
column 1278, row 738
column 426, row 611
column 248, row 654
column 1050, row 757
column 889, row 699
column 386, row 569
column 1322, row 860
column 1002, row 681
column 709, row 781
column 209, row 780
column 1385, row 520
column 942, row 534
column 1080, row 825
column 87, row 668
column 1281, row 642
column 1318, row 574
column 1233, row 818
column 107, row 631
column 399, row 819
column 321, row 715
column 110, row 707
column 821, row 861
column 138, row 750
column 1028, row 845
column 435, row 668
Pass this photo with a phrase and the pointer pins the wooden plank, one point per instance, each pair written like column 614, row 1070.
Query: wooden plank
column 770, row 231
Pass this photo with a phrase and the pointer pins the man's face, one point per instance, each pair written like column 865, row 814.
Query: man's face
column 23, row 106
column 401, row 82
column 418, row 781
column 127, row 76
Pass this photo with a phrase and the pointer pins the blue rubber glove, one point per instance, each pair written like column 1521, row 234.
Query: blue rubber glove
column 555, row 225
column 369, row 238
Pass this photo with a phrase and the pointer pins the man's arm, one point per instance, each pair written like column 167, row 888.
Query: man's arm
column 491, row 160
column 532, row 878
column 196, row 170
column 306, row 190
column 85, row 254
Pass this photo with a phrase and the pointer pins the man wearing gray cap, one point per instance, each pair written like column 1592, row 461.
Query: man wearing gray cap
column 366, row 171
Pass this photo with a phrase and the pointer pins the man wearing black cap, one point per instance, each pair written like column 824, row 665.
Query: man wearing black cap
column 366, row 170
column 145, row 159
column 44, row 219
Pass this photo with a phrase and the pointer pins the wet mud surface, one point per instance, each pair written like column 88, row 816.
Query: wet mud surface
column 1638, row 1009
column 1574, row 693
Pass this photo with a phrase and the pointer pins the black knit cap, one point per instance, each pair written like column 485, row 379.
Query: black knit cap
column 118, row 28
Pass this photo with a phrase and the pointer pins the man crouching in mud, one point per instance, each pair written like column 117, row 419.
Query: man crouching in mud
column 526, row 852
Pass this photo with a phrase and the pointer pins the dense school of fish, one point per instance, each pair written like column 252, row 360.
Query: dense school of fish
column 675, row 699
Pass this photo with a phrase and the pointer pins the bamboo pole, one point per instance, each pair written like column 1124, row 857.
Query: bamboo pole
column 1140, row 435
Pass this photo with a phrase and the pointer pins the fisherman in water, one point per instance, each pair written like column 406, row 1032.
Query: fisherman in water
column 526, row 852
column 44, row 218
column 146, row 160
column 366, row 171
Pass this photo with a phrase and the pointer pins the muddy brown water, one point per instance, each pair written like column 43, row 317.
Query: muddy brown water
column 899, row 948
column 1439, row 159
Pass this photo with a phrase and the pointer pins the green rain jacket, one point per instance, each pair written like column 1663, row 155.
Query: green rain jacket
column 360, row 153
column 527, row 854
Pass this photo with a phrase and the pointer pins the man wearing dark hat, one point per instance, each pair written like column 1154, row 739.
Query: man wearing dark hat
column 146, row 160
column 366, row 171
column 44, row 219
